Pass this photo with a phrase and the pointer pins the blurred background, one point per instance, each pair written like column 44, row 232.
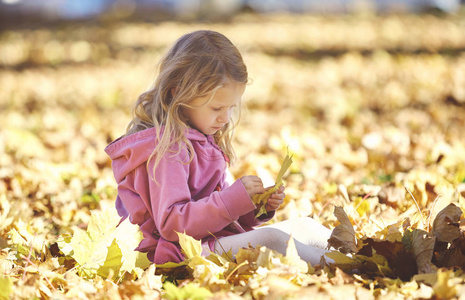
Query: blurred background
column 369, row 97
column 13, row 11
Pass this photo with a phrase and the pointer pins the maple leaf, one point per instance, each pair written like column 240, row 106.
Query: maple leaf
column 343, row 235
column 261, row 199
column 106, row 246
column 132, row 261
column 112, row 261
column 190, row 246
column 203, row 269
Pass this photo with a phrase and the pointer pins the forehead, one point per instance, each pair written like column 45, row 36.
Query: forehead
column 229, row 93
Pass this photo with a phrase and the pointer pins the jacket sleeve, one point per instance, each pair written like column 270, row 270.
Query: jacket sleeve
column 248, row 220
column 175, row 211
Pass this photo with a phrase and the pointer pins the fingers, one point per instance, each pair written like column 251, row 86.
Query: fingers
column 253, row 185
column 276, row 199
column 273, row 204
column 279, row 194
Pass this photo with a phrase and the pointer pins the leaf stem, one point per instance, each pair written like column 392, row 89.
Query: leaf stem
column 418, row 206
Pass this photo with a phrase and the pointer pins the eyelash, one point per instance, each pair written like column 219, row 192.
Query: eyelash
column 220, row 108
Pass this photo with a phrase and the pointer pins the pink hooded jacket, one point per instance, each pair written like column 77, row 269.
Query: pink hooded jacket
column 190, row 197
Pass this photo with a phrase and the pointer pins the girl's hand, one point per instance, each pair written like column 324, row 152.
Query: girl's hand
column 253, row 185
column 275, row 200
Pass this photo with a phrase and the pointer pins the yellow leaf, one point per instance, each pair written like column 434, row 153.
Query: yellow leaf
column 443, row 288
column 379, row 261
column 190, row 246
column 189, row 291
column 103, row 224
column 340, row 258
column 292, row 258
column 206, row 271
column 89, row 254
column 171, row 265
column 224, row 259
column 264, row 258
column 261, row 199
column 105, row 246
column 112, row 261
column 130, row 258
column 247, row 254
column 6, row 287
column 362, row 205
column 279, row 287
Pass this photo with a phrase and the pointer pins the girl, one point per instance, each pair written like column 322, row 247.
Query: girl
column 171, row 164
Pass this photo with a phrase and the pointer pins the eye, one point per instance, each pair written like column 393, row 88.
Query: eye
column 216, row 108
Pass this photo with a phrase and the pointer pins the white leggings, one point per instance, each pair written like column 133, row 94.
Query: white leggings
column 310, row 238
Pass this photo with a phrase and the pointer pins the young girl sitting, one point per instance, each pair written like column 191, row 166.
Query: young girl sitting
column 171, row 164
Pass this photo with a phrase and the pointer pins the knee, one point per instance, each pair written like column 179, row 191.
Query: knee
column 309, row 224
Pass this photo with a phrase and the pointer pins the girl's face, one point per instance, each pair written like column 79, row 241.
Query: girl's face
column 210, row 117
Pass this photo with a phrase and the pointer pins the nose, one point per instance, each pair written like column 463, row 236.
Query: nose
column 224, row 116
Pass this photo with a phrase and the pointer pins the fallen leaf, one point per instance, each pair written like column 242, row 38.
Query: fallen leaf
column 444, row 289
column 446, row 224
column 6, row 286
column 105, row 246
column 427, row 278
column 190, row 246
column 292, row 258
column 341, row 278
column 452, row 254
column 423, row 246
column 189, row 291
column 343, row 235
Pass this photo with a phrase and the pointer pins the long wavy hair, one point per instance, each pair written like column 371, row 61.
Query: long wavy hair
column 197, row 65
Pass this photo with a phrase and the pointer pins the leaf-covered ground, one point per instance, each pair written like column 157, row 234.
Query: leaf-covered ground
column 372, row 108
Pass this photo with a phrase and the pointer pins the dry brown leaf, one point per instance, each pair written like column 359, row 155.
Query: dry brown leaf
column 343, row 235
column 453, row 257
column 423, row 247
column 446, row 224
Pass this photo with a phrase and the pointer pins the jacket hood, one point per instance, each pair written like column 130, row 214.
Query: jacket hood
column 129, row 152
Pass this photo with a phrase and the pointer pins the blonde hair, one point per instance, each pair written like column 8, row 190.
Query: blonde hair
column 196, row 66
